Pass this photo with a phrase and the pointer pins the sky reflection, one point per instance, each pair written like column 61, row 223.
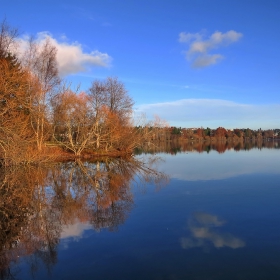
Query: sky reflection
column 197, row 167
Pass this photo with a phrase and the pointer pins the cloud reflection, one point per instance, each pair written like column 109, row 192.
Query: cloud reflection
column 203, row 229
column 75, row 230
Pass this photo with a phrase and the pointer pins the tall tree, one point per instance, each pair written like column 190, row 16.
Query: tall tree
column 15, row 133
column 40, row 61
column 112, row 94
column 119, row 102
column 109, row 100
column 98, row 100
column 8, row 37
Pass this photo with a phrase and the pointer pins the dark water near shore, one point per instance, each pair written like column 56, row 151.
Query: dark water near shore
column 193, row 215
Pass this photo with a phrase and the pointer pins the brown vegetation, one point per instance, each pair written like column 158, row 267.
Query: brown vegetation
column 37, row 111
column 219, row 135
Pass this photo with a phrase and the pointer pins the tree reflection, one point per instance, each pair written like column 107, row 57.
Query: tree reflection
column 37, row 202
column 174, row 147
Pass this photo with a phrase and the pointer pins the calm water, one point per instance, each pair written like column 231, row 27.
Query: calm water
column 202, row 216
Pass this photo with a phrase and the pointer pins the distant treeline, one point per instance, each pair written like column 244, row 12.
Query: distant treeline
column 219, row 134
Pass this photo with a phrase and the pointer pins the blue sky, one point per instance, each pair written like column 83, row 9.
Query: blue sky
column 193, row 63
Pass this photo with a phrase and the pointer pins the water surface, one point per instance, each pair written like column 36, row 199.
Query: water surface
column 199, row 216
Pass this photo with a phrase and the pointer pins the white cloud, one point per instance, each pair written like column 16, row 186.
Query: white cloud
column 214, row 113
column 206, row 60
column 71, row 57
column 198, row 51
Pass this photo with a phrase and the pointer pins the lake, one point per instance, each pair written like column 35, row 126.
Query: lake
column 189, row 214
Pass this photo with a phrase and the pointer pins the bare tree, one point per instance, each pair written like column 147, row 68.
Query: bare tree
column 72, row 120
column 40, row 61
column 119, row 102
column 109, row 98
column 98, row 100
column 8, row 37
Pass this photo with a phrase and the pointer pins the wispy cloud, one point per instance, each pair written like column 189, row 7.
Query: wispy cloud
column 214, row 113
column 187, row 37
column 71, row 57
column 199, row 48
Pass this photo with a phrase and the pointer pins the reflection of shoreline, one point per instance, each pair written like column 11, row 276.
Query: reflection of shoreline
column 203, row 232
column 175, row 147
